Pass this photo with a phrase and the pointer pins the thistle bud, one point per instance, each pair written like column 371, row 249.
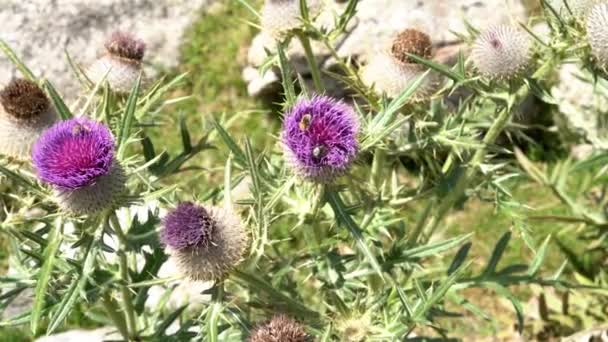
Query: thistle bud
column 391, row 73
column 122, row 62
column 320, row 138
column 205, row 242
column 502, row 52
column 25, row 112
column 597, row 33
column 76, row 157
column 280, row 328
column 279, row 17
column 355, row 329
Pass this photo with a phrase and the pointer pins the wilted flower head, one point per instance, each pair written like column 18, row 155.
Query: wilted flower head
column 122, row 62
column 502, row 52
column 76, row 157
column 25, row 112
column 597, row 32
column 122, row 44
column 391, row 73
column 280, row 328
column 205, row 242
column 413, row 42
column 279, row 17
column 320, row 138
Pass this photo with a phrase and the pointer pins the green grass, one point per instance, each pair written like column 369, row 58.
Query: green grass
column 213, row 55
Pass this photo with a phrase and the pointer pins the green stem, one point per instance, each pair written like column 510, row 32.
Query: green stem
column 114, row 312
column 312, row 62
column 124, row 275
column 377, row 176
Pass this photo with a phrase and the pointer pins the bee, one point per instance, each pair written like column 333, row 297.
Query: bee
column 305, row 122
column 78, row 129
column 319, row 151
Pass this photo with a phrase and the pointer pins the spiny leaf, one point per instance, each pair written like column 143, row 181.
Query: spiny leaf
column 44, row 275
column 345, row 219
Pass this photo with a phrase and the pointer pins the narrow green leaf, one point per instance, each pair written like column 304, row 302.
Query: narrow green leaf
column 460, row 257
column 44, row 275
column 440, row 68
column 539, row 257
column 503, row 291
column 127, row 119
column 63, row 110
column 25, row 71
column 185, row 135
column 499, row 250
column 345, row 219
column 166, row 323
column 286, row 79
column 439, row 293
column 67, row 303
column 239, row 155
column 433, row 249
column 20, row 179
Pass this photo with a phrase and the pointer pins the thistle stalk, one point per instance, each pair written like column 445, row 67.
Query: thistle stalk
column 124, row 275
column 312, row 62
column 113, row 311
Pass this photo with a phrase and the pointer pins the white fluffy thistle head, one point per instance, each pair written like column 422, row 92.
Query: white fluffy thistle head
column 390, row 77
column 25, row 112
column 279, row 17
column 392, row 72
column 597, row 33
column 122, row 62
column 502, row 52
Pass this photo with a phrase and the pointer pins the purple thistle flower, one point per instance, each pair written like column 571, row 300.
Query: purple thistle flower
column 205, row 242
column 187, row 225
column 74, row 153
column 320, row 138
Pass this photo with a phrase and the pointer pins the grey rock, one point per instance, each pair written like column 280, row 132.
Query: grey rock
column 41, row 30
column 97, row 335
column 378, row 21
column 582, row 106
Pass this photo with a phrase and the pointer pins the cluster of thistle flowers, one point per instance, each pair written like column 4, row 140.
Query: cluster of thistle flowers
column 77, row 159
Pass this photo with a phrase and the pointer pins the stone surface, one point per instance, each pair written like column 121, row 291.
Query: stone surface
column 582, row 105
column 378, row 21
column 41, row 30
column 97, row 335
